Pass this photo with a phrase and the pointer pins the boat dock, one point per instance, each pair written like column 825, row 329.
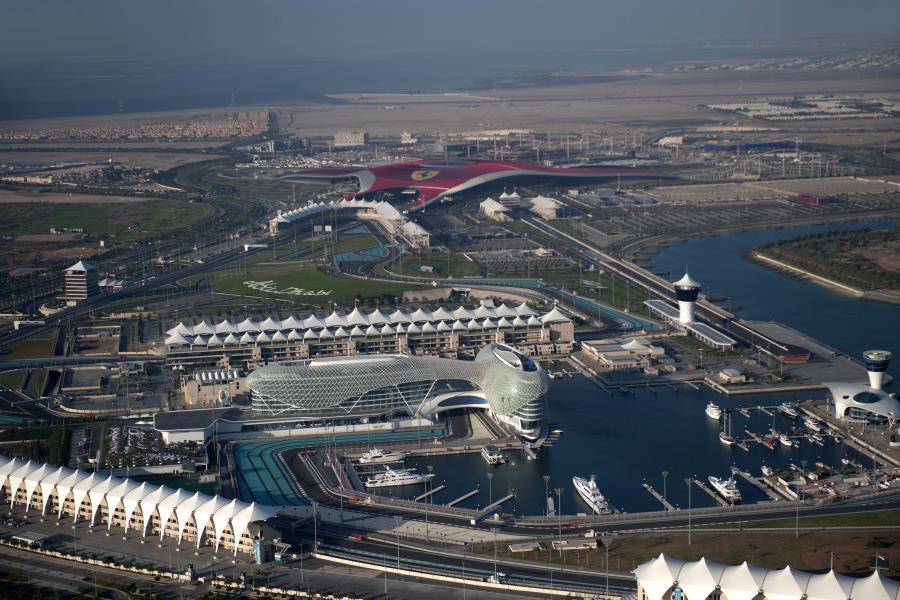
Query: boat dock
column 463, row 497
column 766, row 411
column 714, row 495
column 757, row 483
column 490, row 509
column 666, row 504
column 428, row 493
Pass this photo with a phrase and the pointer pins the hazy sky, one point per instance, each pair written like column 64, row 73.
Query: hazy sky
column 76, row 30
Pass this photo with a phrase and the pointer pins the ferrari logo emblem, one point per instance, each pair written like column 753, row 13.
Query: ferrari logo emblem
column 423, row 175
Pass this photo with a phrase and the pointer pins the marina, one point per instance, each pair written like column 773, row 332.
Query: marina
column 612, row 420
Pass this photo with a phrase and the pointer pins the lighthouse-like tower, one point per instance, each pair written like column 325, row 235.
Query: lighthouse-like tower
column 686, row 291
column 877, row 362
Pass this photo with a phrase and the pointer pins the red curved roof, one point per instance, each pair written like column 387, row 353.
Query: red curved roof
column 434, row 179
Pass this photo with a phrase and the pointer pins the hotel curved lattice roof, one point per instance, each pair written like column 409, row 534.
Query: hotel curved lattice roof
column 17, row 475
column 698, row 579
column 508, row 380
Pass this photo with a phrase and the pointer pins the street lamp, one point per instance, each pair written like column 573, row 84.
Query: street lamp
column 688, row 480
column 397, row 521
column 495, row 552
column 559, row 492
column 546, row 494
column 799, row 493
column 665, row 474
column 428, row 503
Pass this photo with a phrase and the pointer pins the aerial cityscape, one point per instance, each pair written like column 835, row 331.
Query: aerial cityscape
column 450, row 300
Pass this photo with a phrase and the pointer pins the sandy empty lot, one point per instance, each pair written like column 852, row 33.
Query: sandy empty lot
column 16, row 197
column 648, row 101
column 150, row 160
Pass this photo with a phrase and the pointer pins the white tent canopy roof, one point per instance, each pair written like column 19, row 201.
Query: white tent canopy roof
column 699, row 579
column 658, row 575
column 876, row 587
column 742, row 582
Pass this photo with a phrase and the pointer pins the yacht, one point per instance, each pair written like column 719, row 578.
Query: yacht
column 725, row 435
column 589, row 492
column 811, row 423
column 785, row 440
column 767, row 470
column 396, row 477
column 377, row 455
column 769, row 442
column 817, row 438
column 713, row 411
column 492, row 455
column 788, row 410
column 727, row 488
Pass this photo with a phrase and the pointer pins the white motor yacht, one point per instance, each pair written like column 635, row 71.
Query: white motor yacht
column 492, row 455
column 788, row 410
column 713, row 411
column 590, row 493
column 396, row 477
column 727, row 488
column 811, row 423
column 377, row 456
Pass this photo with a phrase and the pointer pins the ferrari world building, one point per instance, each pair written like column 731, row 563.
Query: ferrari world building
column 430, row 180
column 510, row 385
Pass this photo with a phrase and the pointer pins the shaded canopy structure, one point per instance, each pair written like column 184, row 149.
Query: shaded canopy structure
column 21, row 480
column 698, row 579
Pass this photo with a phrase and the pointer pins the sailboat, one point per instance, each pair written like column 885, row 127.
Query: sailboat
column 727, row 438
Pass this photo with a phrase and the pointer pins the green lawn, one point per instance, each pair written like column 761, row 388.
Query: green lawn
column 34, row 347
column 309, row 286
column 886, row 518
column 460, row 266
column 12, row 380
column 123, row 221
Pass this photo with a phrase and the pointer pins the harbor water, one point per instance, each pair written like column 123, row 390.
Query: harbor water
column 628, row 439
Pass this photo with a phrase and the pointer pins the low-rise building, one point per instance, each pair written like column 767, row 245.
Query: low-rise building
column 729, row 375
column 546, row 208
column 494, row 210
column 623, row 355
column 350, row 139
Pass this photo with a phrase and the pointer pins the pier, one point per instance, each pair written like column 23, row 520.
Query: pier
column 757, row 483
column 463, row 497
column 714, row 495
column 766, row 411
column 490, row 509
column 666, row 504
column 428, row 493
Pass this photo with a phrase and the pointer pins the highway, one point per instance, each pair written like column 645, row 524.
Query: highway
column 654, row 285
column 448, row 561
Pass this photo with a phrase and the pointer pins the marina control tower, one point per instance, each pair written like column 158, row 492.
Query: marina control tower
column 877, row 362
column 686, row 291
